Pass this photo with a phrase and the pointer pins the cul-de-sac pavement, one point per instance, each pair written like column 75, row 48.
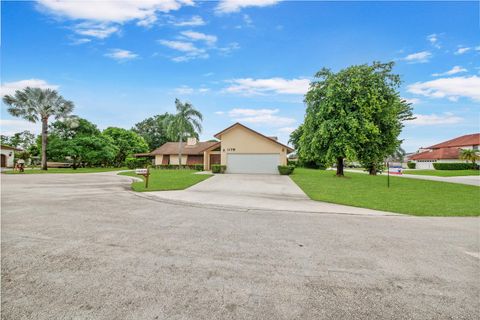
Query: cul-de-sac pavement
column 86, row 247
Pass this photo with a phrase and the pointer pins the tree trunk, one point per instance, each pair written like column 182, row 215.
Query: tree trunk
column 44, row 143
column 372, row 170
column 180, row 152
column 339, row 167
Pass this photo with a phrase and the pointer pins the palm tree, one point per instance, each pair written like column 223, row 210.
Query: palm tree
column 35, row 104
column 469, row 155
column 185, row 122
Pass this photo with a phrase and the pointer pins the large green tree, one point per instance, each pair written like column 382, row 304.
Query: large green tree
column 81, row 141
column 153, row 130
column 186, row 122
column 34, row 105
column 355, row 113
column 127, row 142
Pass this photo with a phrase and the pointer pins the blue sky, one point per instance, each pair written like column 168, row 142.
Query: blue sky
column 247, row 61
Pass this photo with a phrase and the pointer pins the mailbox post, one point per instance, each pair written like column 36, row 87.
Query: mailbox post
column 145, row 173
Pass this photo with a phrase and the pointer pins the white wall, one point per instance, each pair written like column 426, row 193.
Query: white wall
column 9, row 156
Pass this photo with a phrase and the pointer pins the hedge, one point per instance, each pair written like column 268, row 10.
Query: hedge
column 217, row 168
column 411, row 165
column 454, row 166
column 133, row 163
column 285, row 170
column 198, row 167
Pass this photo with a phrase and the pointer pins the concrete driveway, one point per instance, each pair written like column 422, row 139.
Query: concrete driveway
column 82, row 246
column 256, row 191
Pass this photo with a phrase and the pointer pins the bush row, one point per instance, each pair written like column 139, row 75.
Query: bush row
column 286, row 170
column 217, row 168
column 198, row 167
column 454, row 166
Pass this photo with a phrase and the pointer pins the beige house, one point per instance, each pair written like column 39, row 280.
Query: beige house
column 240, row 148
column 7, row 155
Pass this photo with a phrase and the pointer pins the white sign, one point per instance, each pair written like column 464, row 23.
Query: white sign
column 141, row 171
column 395, row 170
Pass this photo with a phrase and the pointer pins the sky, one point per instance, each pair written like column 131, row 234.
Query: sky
column 249, row 61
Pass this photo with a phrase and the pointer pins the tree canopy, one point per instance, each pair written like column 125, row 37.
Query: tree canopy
column 126, row 142
column 154, row 130
column 356, row 113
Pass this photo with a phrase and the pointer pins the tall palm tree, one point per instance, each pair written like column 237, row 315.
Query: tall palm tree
column 186, row 122
column 469, row 155
column 34, row 105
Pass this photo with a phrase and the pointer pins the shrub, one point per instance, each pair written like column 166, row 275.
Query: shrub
column 411, row 165
column 133, row 163
column 198, row 167
column 285, row 170
column 217, row 168
column 454, row 166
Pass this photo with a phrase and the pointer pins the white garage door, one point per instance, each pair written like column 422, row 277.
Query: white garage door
column 253, row 163
column 424, row 165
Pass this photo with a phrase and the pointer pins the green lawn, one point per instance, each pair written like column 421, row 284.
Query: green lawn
column 444, row 173
column 161, row 179
column 65, row 170
column 410, row 196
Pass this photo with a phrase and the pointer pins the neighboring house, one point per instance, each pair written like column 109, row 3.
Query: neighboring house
column 7, row 156
column 448, row 151
column 240, row 148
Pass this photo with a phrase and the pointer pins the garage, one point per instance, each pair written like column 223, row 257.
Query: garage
column 425, row 164
column 253, row 163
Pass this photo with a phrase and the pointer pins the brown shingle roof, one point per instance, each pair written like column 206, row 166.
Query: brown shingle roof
column 438, row 154
column 466, row 140
column 172, row 148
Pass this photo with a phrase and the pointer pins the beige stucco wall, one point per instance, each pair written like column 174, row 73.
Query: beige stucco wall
column 174, row 159
column 245, row 141
column 9, row 155
column 158, row 159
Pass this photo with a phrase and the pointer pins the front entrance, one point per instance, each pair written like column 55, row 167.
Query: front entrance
column 4, row 161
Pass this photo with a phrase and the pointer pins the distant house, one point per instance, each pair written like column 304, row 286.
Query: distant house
column 448, row 151
column 7, row 156
column 240, row 148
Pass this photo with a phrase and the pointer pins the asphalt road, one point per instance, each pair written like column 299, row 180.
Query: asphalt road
column 83, row 247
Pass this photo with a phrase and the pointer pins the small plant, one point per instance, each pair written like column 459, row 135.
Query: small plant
column 286, row 170
column 198, row 167
column 217, row 168
column 411, row 165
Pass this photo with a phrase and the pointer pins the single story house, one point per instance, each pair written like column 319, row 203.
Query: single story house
column 240, row 148
column 448, row 151
column 7, row 156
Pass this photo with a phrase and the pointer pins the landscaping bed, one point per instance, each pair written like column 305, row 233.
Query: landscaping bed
column 165, row 179
column 409, row 196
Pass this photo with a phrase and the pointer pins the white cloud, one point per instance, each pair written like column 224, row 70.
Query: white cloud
column 435, row 119
column 249, row 86
column 433, row 39
column 186, row 90
column 419, row 57
column 198, row 36
column 195, row 21
column 454, row 70
column 80, row 41
column 121, row 54
column 248, row 21
column 451, row 88
column 227, row 6
column 110, row 11
column 412, row 100
column 105, row 17
column 95, row 30
column 219, row 113
column 260, row 116
column 9, row 127
column 462, row 50
column 192, row 52
column 287, row 130
column 11, row 87
column 232, row 46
